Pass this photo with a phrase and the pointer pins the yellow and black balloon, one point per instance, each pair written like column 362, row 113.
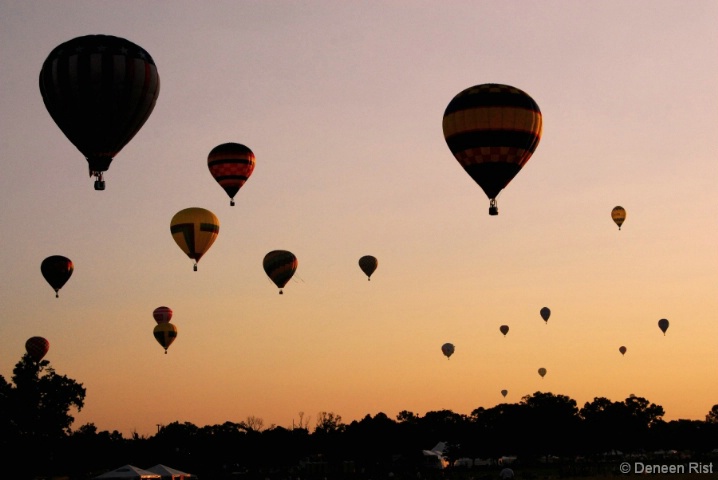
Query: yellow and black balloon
column 165, row 334
column 231, row 164
column 194, row 230
column 492, row 130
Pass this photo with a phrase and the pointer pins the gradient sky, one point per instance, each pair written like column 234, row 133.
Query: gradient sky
column 342, row 104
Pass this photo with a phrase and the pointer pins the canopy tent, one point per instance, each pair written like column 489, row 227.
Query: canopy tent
column 168, row 473
column 129, row 472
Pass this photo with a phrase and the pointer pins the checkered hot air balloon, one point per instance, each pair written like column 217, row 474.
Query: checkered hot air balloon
column 231, row 164
column 492, row 130
column 100, row 90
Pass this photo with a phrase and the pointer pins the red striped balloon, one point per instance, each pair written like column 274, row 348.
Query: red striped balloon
column 162, row 314
column 231, row 164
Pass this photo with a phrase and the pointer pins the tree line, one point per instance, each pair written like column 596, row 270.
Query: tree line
column 36, row 407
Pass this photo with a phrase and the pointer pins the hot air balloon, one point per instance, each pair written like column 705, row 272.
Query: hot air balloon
column 504, row 393
column 542, row 372
column 368, row 265
column 165, row 334
column 504, row 329
column 447, row 349
column 618, row 214
column 663, row 325
column 57, row 271
column 37, row 348
column 492, row 130
column 545, row 313
column 195, row 230
column 162, row 314
column 280, row 265
column 231, row 164
column 622, row 350
column 100, row 90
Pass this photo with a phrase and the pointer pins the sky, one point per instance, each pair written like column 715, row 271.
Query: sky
column 342, row 104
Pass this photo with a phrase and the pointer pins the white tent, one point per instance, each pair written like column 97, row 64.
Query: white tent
column 128, row 472
column 168, row 473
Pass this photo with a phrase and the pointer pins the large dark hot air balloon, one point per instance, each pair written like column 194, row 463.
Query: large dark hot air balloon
column 194, row 230
column 100, row 90
column 280, row 265
column 447, row 349
column 165, row 334
column 37, row 348
column 231, row 164
column 162, row 314
column 663, row 325
column 57, row 271
column 492, row 130
column 368, row 265
column 618, row 214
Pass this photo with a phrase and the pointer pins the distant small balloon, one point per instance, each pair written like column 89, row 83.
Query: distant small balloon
column 37, row 347
column 57, row 271
column 545, row 314
column 542, row 372
column 618, row 214
column 368, row 265
column 504, row 393
column 504, row 329
column 447, row 349
column 165, row 334
column 622, row 350
column 663, row 325
column 162, row 314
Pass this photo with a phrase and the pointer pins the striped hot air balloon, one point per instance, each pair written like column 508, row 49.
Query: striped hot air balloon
column 162, row 314
column 280, row 265
column 231, row 164
column 492, row 130
column 100, row 90
column 618, row 214
column 194, row 230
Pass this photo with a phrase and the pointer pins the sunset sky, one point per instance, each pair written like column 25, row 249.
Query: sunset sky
column 342, row 104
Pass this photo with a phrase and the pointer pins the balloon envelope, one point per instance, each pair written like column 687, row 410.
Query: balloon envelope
column 165, row 334
column 368, row 265
column 542, row 372
column 618, row 214
column 194, row 230
column 545, row 314
column 57, row 271
column 162, row 314
column 504, row 393
column 99, row 90
column 492, row 130
column 663, row 325
column 231, row 164
column 504, row 329
column 447, row 349
column 622, row 350
column 280, row 265
column 37, row 347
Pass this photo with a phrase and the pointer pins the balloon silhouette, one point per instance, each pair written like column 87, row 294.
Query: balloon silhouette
column 280, row 265
column 492, row 130
column 622, row 350
column 504, row 329
column 57, row 271
column 545, row 314
column 37, row 347
column 447, row 349
column 542, row 372
column 618, row 214
column 231, row 164
column 162, row 314
column 504, row 393
column 165, row 334
column 663, row 325
column 99, row 90
column 368, row 265
column 194, row 230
